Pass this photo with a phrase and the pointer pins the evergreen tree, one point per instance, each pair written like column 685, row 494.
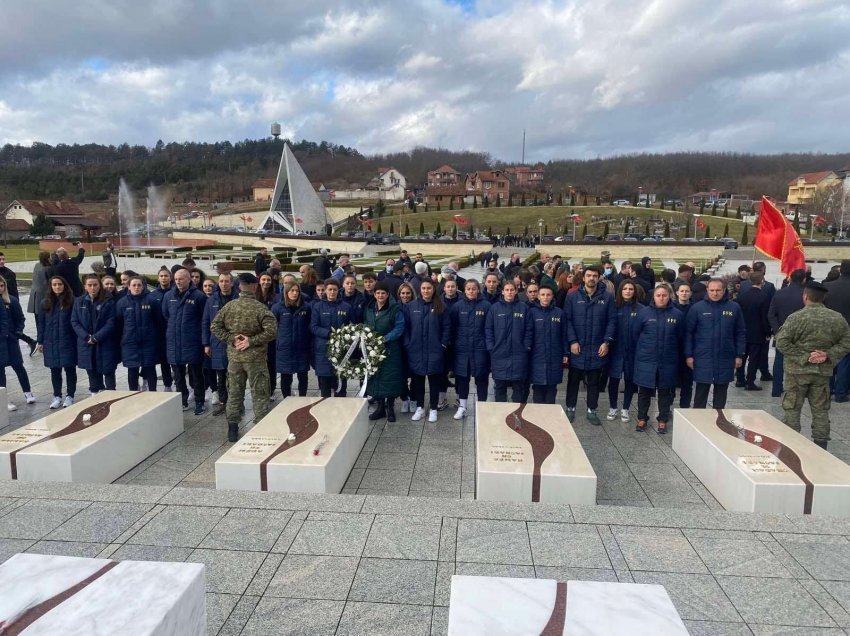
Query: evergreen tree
column 726, row 210
column 796, row 221
column 702, row 207
column 726, row 231
column 598, row 200
column 688, row 227
column 41, row 226
column 522, row 200
column 707, row 231
column 487, row 202
column 490, row 229
column 507, row 231
column 392, row 227
column 525, row 232
column 474, row 202
column 584, row 200
column 584, row 231
column 744, row 235
column 451, row 203
column 454, row 232
column 421, row 227
column 646, row 228
column 438, row 207
column 605, row 230
column 498, row 202
column 426, row 206
column 462, row 204
column 714, row 209
column 561, row 198
column 666, row 227
column 406, row 229
column 510, row 199
column 626, row 227
column 380, row 231
column 380, row 208
column 439, row 229
column 738, row 215
column 662, row 203
column 546, row 228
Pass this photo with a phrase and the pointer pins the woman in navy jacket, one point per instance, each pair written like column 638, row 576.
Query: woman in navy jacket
column 292, row 313
column 268, row 295
column 215, row 351
column 10, row 352
column 183, row 310
column 627, row 304
column 658, row 333
column 450, row 297
column 327, row 315
column 163, row 287
column 682, row 302
column 57, row 340
column 98, row 350
column 137, row 321
column 548, row 347
column 508, row 334
column 426, row 338
column 467, row 319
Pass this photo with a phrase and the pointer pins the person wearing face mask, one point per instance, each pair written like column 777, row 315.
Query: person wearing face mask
column 509, row 335
column 164, row 284
column 609, row 272
column 682, row 301
column 93, row 320
column 389, row 266
column 470, row 359
column 658, row 334
column 135, row 320
column 621, row 364
column 548, row 351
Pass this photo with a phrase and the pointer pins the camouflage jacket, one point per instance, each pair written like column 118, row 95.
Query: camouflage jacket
column 247, row 316
column 813, row 328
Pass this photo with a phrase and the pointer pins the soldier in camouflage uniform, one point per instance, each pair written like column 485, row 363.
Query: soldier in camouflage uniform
column 812, row 342
column 247, row 326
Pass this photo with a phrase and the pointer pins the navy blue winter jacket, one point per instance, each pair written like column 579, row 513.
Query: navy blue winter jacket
column 324, row 317
column 549, row 344
column 293, row 337
column 156, row 297
column 658, row 337
column 467, row 319
column 590, row 322
column 184, row 314
column 139, row 323
column 218, row 349
column 96, row 319
column 10, row 351
column 56, row 334
column 621, row 358
column 508, row 334
column 426, row 336
column 715, row 335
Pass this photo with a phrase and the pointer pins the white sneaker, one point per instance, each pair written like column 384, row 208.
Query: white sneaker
column 12, row 407
column 624, row 415
column 418, row 414
column 30, row 398
column 56, row 403
column 432, row 415
column 405, row 406
column 69, row 401
column 460, row 413
column 191, row 395
column 214, row 398
column 612, row 415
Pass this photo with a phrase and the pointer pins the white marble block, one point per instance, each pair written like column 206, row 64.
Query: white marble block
column 752, row 462
column 96, row 440
column 4, row 408
column 47, row 595
column 305, row 444
column 530, row 452
column 492, row 606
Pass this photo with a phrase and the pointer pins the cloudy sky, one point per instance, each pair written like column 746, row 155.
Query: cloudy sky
column 586, row 78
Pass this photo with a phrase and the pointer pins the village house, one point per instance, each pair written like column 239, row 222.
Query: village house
column 444, row 176
column 68, row 218
column 488, row 184
column 802, row 189
column 526, row 177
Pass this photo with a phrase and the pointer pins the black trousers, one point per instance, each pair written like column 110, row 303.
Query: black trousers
column 665, row 401
column 417, row 389
column 591, row 378
column 99, row 381
column 146, row 373
column 701, row 395
column 482, row 386
column 286, row 384
column 210, row 380
column 272, row 366
column 56, row 380
column 629, row 389
column 167, row 378
column 196, row 380
column 544, row 393
column 327, row 385
column 519, row 391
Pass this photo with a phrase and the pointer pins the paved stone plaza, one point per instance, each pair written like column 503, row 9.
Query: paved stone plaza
column 379, row 558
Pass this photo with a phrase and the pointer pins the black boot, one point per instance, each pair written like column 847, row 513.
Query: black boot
column 820, row 442
column 390, row 410
column 232, row 432
column 379, row 413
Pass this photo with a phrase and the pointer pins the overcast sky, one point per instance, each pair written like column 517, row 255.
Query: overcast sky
column 586, row 78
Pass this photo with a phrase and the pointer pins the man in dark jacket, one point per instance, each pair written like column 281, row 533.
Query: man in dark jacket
column 785, row 302
column 215, row 349
column 261, row 261
column 715, row 343
column 838, row 299
column 754, row 304
column 183, row 308
column 591, row 326
column 322, row 264
column 69, row 269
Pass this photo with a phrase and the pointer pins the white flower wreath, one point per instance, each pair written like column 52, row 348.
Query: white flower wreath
column 356, row 351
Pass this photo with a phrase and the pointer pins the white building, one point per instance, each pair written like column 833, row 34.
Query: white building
column 389, row 185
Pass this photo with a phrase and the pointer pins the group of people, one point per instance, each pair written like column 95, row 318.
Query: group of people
column 521, row 326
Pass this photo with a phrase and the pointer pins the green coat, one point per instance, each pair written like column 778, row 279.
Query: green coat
column 813, row 328
column 389, row 322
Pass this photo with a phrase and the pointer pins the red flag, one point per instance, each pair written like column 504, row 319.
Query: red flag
column 700, row 224
column 819, row 220
column 299, row 219
column 778, row 239
column 576, row 218
column 459, row 219
column 249, row 219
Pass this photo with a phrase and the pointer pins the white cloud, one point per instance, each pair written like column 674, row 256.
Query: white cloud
column 585, row 77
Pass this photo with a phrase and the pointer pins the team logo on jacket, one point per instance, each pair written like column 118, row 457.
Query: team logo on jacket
column 728, row 313
column 519, row 314
column 672, row 321
column 480, row 312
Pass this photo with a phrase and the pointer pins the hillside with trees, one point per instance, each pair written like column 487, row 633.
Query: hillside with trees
column 224, row 171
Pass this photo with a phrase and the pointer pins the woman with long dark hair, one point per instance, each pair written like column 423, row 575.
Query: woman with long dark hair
column 548, row 346
column 15, row 360
column 405, row 295
column 467, row 319
column 384, row 317
column 56, row 338
column 327, row 315
column 509, row 335
column 426, row 338
column 683, row 302
column 628, row 302
column 164, row 284
column 93, row 320
column 267, row 294
column 293, row 341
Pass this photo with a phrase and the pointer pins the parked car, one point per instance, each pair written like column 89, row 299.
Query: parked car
column 633, row 236
column 548, row 238
column 588, row 238
column 613, row 237
column 375, row 239
column 564, row 238
column 391, row 239
column 729, row 243
column 621, row 202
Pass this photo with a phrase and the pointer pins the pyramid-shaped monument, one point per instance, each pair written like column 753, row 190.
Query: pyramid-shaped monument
column 295, row 206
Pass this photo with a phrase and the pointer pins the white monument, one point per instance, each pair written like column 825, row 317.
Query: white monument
column 95, row 440
column 305, row 444
column 295, row 205
column 48, row 595
column 752, row 462
column 492, row 606
column 4, row 408
column 530, row 452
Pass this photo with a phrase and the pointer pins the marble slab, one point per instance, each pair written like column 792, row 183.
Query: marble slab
column 96, row 440
column 750, row 461
column 329, row 434
column 493, row 606
column 530, row 452
column 4, row 408
column 44, row 595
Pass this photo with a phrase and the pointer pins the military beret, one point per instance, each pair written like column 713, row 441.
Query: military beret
column 247, row 278
column 817, row 287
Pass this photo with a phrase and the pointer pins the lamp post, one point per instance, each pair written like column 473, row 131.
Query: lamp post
column 696, row 218
column 539, row 231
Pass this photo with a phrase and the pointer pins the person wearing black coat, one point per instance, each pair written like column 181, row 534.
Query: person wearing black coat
column 56, row 339
column 261, row 261
column 294, row 339
column 686, row 275
column 93, row 320
column 509, row 337
column 155, row 298
column 683, row 302
column 322, row 265
column 136, row 325
column 784, row 303
column 838, row 299
column 754, row 305
column 658, row 334
column 467, row 319
column 183, row 309
column 69, row 269
column 548, row 347
column 648, row 273
column 621, row 361
column 14, row 359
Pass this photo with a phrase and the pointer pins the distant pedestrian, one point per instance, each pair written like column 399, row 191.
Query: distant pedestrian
column 110, row 260
column 69, row 269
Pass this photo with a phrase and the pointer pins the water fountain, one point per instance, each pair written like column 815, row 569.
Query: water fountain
column 126, row 207
column 157, row 206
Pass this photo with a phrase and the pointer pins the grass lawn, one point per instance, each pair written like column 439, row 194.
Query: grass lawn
column 15, row 253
